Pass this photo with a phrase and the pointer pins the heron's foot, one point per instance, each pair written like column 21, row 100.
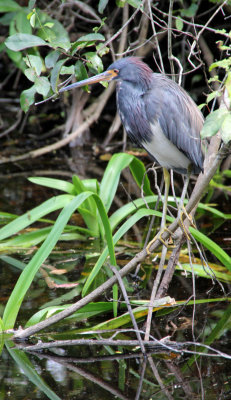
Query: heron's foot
column 158, row 237
column 181, row 222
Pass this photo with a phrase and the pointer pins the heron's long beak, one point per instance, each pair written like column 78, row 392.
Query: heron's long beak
column 105, row 76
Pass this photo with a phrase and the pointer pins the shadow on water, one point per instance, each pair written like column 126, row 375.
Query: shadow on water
column 106, row 371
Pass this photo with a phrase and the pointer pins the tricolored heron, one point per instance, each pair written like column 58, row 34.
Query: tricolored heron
column 157, row 115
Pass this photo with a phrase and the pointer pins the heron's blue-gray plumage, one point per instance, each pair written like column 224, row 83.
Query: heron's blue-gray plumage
column 159, row 115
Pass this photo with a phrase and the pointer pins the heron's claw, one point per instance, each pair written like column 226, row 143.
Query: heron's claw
column 158, row 237
column 181, row 222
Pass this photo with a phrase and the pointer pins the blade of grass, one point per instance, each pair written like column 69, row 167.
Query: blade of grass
column 26, row 277
column 53, row 183
column 121, row 231
column 35, row 214
column 215, row 249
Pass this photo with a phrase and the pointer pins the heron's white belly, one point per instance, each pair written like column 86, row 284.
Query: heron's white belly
column 164, row 151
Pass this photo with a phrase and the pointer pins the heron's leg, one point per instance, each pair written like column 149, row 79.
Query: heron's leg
column 181, row 208
column 164, row 213
column 166, row 192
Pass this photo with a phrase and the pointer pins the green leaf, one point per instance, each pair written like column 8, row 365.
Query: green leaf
column 52, row 58
column 54, row 184
column 27, row 98
column 212, row 95
column 32, row 20
column 42, row 85
column 215, row 249
column 121, row 231
column 31, row 4
column 67, row 70
column 179, row 24
column 135, row 3
column 94, row 61
column 87, row 311
column 30, row 74
column 225, row 63
column 102, row 5
column 226, row 129
column 90, row 37
column 55, row 74
column 22, row 23
column 111, row 177
column 213, row 122
column 34, row 62
column 190, row 12
column 53, row 204
column 9, row 6
column 21, row 41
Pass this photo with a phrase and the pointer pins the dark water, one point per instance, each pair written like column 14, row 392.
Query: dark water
column 104, row 372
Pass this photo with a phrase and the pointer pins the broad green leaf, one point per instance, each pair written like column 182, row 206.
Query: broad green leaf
column 22, row 23
column 55, row 74
column 67, row 70
column 21, row 41
column 94, row 61
column 17, row 59
column 30, row 74
column 179, row 24
column 102, row 5
column 189, row 12
column 31, row 4
column 35, row 62
column 27, row 98
column 135, row 3
column 90, row 37
column 58, row 44
column 213, row 122
column 32, row 20
column 9, row 6
column 80, row 71
column 226, row 129
column 52, row 58
column 42, row 85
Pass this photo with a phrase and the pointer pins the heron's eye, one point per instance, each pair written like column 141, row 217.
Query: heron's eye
column 116, row 71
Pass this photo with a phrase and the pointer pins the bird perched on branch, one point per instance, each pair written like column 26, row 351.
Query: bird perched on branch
column 157, row 115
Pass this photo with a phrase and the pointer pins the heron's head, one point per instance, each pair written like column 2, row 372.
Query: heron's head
column 130, row 69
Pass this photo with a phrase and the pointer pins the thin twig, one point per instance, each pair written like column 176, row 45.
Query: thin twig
column 122, row 287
